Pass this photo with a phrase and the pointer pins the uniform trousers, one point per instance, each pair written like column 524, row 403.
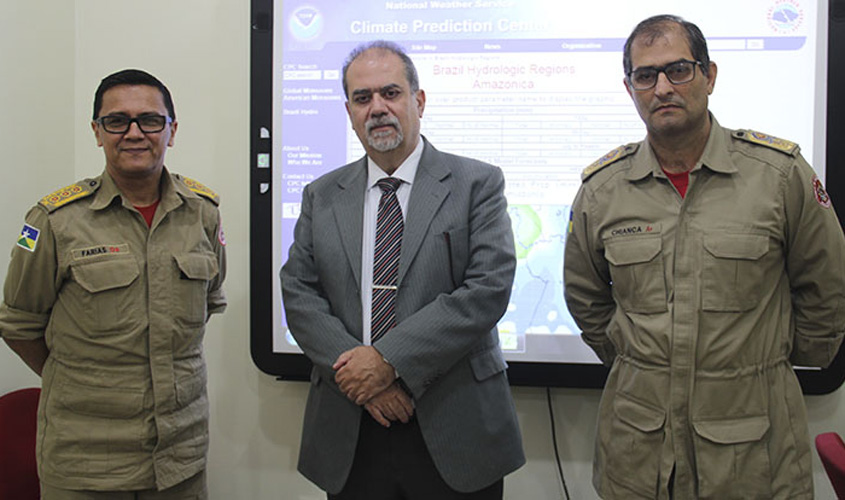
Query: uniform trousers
column 393, row 463
column 194, row 488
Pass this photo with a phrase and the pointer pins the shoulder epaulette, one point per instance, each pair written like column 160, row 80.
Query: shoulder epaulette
column 611, row 157
column 69, row 194
column 199, row 188
column 769, row 141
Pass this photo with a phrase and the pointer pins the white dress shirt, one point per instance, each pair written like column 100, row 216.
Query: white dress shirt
column 406, row 172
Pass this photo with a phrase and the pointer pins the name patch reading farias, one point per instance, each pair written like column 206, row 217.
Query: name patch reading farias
column 83, row 253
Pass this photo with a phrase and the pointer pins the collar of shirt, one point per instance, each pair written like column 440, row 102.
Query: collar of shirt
column 715, row 156
column 170, row 197
column 406, row 171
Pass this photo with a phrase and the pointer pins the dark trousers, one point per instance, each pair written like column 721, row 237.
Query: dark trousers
column 394, row 464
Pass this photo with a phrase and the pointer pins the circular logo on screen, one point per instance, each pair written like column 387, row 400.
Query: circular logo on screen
column 305, row 23
column 785, row 16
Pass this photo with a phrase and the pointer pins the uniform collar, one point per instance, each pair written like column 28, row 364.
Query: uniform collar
column 171, row 193
column 715, row 156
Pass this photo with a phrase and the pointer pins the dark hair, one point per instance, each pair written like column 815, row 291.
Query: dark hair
column 132, row 77
column 410, row 69
column 657, row 26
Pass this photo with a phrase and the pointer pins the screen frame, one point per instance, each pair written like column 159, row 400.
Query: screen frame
column 287, row 366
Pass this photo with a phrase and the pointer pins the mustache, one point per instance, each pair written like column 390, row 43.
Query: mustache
column 381, row 121
column 668, row 102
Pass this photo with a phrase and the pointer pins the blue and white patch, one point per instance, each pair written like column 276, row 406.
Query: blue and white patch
column 28, row 238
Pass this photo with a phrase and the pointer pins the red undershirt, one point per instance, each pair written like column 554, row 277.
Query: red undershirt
column 148, row 212
column 681, row 181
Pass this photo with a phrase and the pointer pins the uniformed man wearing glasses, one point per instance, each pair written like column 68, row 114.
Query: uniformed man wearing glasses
column 701, row 263
column 111, row 282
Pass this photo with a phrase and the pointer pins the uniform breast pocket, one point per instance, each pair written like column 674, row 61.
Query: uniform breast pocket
column 190, row 301
column 733, row 271
column 108, row 295
column 636, row 269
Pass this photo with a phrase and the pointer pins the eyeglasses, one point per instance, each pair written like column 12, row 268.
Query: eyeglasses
column 119, row 124
column 678, row 72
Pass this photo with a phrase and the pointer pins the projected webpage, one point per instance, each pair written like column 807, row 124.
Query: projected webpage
column 535, row 88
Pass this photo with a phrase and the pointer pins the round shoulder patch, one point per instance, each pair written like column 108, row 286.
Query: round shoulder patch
column 821, row 195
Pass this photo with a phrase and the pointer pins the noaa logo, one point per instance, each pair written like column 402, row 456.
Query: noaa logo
column 305, row 23
column 785, row 16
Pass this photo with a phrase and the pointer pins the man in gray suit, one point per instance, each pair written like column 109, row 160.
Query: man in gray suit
column 423, row 411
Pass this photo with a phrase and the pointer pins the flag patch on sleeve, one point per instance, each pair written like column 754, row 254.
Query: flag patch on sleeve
column 28, row 238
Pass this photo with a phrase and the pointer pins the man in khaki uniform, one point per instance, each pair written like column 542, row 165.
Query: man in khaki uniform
column 700, row 263
column 109, row 288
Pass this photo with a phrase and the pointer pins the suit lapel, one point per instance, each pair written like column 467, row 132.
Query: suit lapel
column 427, row 194
column 348, row 214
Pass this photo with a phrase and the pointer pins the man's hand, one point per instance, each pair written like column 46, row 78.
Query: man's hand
column 390, row 405
column 33, row 352
column 362, row 373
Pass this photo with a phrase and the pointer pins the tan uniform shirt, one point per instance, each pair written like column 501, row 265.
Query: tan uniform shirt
column 123, row 309
column 700, row 304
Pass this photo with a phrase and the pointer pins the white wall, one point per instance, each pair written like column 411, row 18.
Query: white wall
column 36, row 116
column 54, row 54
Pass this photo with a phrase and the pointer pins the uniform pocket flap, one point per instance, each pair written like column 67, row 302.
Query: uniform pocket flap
column 733, row 430
column 104, row 402
column 644, row 418
column 488, row 363
column 106, row 274
column 197, row 266
column 737, row 246
column 192, row 387
column 632, row 251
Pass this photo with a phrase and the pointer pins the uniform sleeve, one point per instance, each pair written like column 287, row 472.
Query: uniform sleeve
column 31, row 283
column 586, row 278
column 216, row 297
column 816, row 268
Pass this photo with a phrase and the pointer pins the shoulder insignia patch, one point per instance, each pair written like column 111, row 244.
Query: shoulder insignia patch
column 769, row 141
column 28, row 238
column 612, row 156
column 822, row 197
column 68, row 194
column 200, row 188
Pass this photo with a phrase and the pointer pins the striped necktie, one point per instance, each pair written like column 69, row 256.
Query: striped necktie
column 389, row 228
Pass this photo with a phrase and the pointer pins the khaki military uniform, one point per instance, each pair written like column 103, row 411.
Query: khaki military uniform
column 122, row 308
column 700, row 304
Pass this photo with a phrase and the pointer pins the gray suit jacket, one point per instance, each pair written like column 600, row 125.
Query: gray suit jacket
column 455, row 276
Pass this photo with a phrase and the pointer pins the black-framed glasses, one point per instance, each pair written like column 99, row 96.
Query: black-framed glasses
column 678, row 72
column 119, row 124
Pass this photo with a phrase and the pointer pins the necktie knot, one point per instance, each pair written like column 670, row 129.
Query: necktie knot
column 389, row 184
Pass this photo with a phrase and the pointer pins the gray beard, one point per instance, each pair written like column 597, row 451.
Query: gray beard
column 386, row 143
